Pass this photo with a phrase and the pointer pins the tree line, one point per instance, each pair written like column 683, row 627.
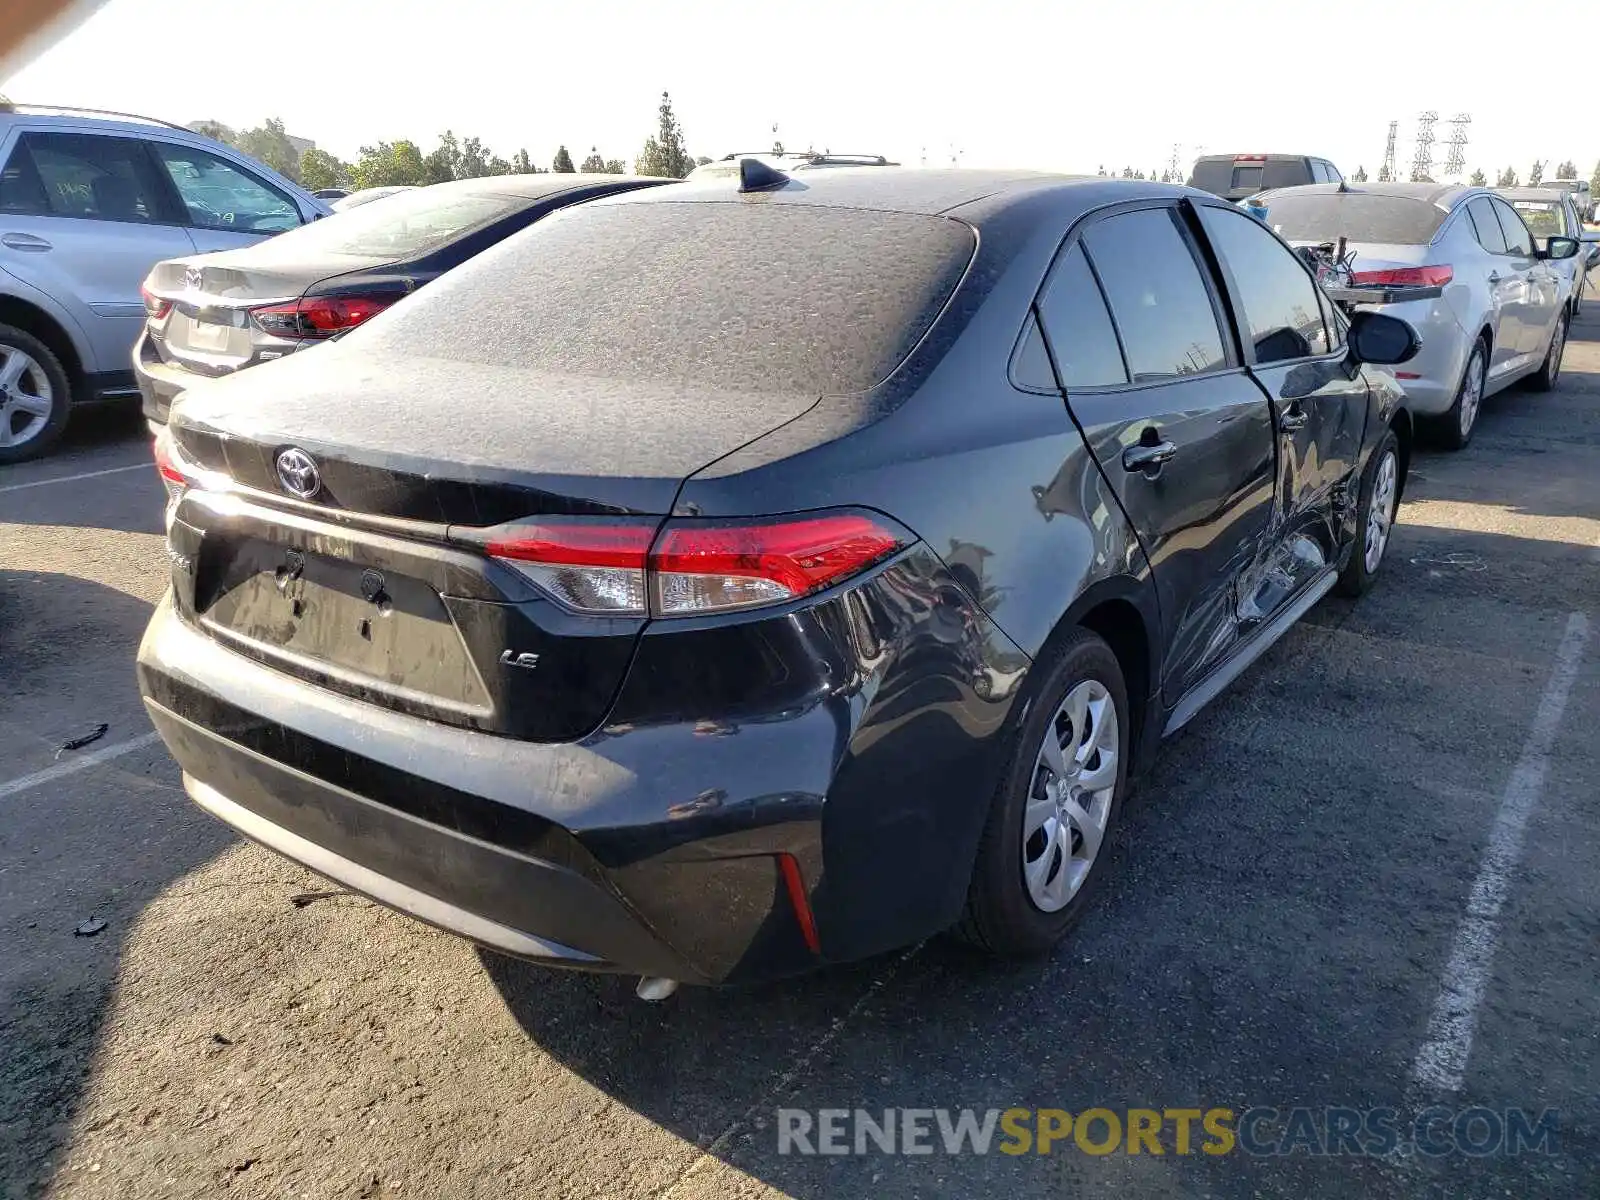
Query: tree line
column 1506, row 178
column 400, row 162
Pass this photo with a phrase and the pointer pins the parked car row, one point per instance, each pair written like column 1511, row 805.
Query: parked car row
column 88, row 203
column 720, row 580
column 1504, row 297
column 211, row 314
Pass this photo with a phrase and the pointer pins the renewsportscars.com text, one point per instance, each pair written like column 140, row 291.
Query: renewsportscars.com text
column 1258, row 1131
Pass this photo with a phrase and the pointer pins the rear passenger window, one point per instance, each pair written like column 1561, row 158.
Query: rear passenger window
column 87, row 175
column 1487, row 227
column 1078, row 326
column 1518, row 239
column 1031, row 367
column 1158, row 299
column 1278, row 296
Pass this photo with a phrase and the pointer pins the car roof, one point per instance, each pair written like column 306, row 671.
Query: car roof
column 1248, row 155
column 51, row 116
column 1445, row 195
column 972, row 194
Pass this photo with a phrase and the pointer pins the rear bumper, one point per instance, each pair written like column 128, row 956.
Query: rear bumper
column 159, row 383
column 1443, row 357
column 654, row 845
column 489, row 894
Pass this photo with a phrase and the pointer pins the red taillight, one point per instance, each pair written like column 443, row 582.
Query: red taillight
column 707, row 566
column 591, row 565
column 1405, row 277
column 315, row 317
column 155, row 306
column 171, row 475
column 600, row 565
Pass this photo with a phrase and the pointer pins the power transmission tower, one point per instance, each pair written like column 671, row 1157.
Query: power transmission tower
column 1455, row 163
column 1174, row 168
column 1422, row 160
column 1386, row 172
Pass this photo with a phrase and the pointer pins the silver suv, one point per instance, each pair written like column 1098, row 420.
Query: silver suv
column 89, row 202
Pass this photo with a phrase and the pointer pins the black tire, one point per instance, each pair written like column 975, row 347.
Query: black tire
column 1001, row 918
column 1358, row 575
column 1448, row 428
column 47, row 364
column 1549, row 373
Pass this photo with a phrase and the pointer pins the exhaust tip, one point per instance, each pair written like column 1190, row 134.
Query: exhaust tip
column 655, row 988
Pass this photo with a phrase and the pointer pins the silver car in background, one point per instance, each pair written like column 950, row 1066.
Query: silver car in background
column 1505, row 297
column 1553, row 212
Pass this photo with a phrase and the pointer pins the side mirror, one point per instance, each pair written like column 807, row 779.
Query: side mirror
column 1559, row 248
column 1381, row 339
column 1593, row 259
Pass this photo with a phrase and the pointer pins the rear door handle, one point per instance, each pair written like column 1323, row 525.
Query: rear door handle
column 1494, row 276
column 1149, row 458
column 24, row 241
column 1292, row 418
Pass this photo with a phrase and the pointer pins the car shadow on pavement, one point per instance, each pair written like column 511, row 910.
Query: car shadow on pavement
column 81, row 855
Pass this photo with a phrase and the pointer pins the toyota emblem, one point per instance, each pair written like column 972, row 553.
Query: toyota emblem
column 298, row 473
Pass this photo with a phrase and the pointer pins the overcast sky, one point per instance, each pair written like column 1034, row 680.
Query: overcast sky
column 1046, row 84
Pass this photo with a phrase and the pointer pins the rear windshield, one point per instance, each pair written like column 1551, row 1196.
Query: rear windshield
column 405, row 224
column 1359, row 216
column 1544, row 218
column 744, row 295
column 1226, row 175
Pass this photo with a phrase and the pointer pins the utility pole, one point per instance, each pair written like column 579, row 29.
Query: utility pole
column 1455, row 163
column 1422, row 160
column 1386, row 172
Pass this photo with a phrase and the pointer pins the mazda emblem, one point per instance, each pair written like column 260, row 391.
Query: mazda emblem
column 192, row 279
column 298, row 473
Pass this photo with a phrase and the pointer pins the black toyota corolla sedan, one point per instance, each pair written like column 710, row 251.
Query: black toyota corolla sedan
column 717, row 581
column 213, row 314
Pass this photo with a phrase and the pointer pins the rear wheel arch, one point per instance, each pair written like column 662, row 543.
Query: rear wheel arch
column 1404, row 433
column 1111, row 610
column 30, row 318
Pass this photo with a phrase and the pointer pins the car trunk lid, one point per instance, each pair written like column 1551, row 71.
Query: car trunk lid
column 207, row 328
column 366, row 581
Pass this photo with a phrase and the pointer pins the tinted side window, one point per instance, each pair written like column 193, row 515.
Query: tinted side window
column 1319, row 172
column 1486, row 226
column 100, row 178
column 1031, row 367
column 1158, row 299
column 220, row 195
column 1278, row 297
column 1518, row 239
column 21, row 190
column 1078, row 326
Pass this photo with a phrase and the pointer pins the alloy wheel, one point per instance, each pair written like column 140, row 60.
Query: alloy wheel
column 1558, row 347
column 1472, row 392
column 1069, row 804
column 26, row 398
column 1380, row 510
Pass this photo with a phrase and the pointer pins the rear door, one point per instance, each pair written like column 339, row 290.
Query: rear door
column 83, row 218
column 1182, row 434
column 1319, row 403
column 1506, row 286
column 1542, row 300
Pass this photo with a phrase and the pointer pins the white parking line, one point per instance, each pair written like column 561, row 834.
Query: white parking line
column 74, row 765
column 1442, row 1060
column 18, row 487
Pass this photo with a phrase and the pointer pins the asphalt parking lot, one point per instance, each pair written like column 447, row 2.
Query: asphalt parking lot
column 1368, row 877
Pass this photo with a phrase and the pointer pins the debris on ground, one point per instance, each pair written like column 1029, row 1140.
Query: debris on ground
column 305, row 898
column 83, row 739
column 89, row 928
